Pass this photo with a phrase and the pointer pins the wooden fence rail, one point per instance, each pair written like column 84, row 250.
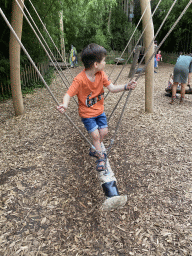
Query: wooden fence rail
column 29, row 74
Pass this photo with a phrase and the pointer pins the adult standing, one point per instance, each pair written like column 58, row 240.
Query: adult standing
column 181, row 74
column 73, row 56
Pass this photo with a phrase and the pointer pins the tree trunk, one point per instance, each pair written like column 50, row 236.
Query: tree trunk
column 149, row 72
column 109, row 21
column 14, row 58
column 62, row 35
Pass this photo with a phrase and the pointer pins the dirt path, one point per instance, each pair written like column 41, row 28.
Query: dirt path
column 50, row 194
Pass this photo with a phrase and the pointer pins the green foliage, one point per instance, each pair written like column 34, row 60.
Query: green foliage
column 4, row 70
column 181, row 38
column 101, row 39
column 87, row 21
column 121, row 30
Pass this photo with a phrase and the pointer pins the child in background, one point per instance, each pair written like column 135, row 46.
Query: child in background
column 170, row 85
column 158, row 57
column 88, row 86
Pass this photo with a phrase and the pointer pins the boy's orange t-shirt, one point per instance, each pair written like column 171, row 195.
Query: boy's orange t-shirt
column 90, row 94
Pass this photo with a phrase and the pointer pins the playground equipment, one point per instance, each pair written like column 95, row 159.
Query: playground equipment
column 106, row 177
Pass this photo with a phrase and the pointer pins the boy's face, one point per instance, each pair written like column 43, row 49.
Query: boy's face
column 100, row 65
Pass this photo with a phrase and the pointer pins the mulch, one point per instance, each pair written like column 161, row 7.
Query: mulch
column 50, row 194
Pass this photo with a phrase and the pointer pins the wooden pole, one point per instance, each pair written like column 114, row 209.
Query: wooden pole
column 149, row 72
column 14, row 58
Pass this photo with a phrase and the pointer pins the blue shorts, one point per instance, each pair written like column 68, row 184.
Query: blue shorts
column 93, row 123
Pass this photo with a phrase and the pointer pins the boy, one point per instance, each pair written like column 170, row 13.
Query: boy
column 88, row 86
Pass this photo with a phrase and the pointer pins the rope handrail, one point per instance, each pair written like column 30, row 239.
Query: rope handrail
column 47, row 53
column 41, row 77
column 50, row 36
column 156, row 35
column 135, row 45
column 39, row 33
column 144, row 54
column 168, row 33
column 129, row 39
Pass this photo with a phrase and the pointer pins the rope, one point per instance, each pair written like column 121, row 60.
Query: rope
column 118, row 123
column 129, row 39
column 176, row 22
column 168, row 33
column 156, row 35
column 44, row 45
column 69, row 119
column 41, row 36
column 144, row 54
column 50, row 37
column 61, row 76
column 135, row 45
column 41, row 77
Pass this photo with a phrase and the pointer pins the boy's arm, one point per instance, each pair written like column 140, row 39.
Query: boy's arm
column 119, row 88
column 63, row 107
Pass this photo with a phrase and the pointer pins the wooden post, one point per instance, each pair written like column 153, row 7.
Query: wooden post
column 14, row 58
column 149, row 71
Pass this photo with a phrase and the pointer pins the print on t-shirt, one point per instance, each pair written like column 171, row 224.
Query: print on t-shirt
column 90, row 102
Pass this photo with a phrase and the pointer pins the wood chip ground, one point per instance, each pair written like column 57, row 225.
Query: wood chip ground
column 49, row 190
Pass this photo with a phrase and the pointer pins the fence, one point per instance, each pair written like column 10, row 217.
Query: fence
column 29, row 73
column 28, row 77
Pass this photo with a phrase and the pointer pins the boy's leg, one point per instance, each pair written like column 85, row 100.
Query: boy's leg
column 103, row 132
column 96, row 140
column 97, row 144
column 93, row 126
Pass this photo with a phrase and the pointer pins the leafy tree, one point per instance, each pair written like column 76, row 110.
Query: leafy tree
column 181, row 37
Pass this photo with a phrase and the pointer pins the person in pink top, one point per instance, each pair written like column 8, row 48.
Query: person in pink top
column 88, row 86
column 159, row 58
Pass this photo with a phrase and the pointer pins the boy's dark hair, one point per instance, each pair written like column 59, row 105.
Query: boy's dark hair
column 91, row 54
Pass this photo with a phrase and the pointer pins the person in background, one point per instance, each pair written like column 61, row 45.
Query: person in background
column 155, row 59
column 73, row 56
column 181, row 74
column 159, row 57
